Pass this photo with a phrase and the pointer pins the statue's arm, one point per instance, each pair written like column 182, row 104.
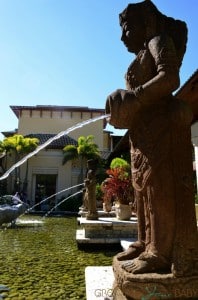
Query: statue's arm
column 122, row 105
column 166, row 79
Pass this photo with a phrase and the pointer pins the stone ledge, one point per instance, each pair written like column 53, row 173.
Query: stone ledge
column 107, row 221
column 99, row 283
column 101, row 213
column 81, row 239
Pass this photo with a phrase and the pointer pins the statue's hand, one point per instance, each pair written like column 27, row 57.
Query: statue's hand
column 120, row 95
column 121, row 105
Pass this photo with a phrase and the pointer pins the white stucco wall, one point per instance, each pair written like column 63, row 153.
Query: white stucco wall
column 56, row 122
column 48, row 163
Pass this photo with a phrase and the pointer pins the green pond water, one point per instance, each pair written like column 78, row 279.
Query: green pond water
column 43, row 261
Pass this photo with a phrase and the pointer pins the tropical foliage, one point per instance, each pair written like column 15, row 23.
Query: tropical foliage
column 118, row 162
column 18, row 146
column 117, row 187
column 85, row 150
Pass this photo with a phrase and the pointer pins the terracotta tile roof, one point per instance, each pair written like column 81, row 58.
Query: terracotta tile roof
column 17, row 108
column 189, row 93
column 57, row 144
column 9, row 133
column 193, row 76
column 105, row 154
column 56, row 108
column 121, row 146
column 61, row 142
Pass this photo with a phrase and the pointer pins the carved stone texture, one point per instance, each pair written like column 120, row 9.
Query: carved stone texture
column 152, row 285
column 161, row 153
column 90, row 192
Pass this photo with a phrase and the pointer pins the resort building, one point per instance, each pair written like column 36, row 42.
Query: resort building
column 46, row 174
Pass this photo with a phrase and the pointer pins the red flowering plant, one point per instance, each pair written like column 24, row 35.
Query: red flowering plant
column 118, row 186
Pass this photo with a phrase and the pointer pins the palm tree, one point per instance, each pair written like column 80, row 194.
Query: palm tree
column 29, row 145
column 85, row 150
column 19, row 146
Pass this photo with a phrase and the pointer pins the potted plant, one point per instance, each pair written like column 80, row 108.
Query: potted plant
column 106, row 197
column 117, row 188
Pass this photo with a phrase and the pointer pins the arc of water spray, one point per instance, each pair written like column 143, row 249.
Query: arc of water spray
column 49, row 141
column 61, row 203
column 51, row 196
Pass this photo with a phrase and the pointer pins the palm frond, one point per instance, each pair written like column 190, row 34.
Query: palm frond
column 69, row 153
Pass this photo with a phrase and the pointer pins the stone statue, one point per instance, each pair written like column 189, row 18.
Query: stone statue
column 160, row 143
column 90, row 190
column 9, row 213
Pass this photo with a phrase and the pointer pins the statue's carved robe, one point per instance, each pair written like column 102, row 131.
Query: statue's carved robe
column 161, row 150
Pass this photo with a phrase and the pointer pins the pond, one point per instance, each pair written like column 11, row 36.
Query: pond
column 42, row 261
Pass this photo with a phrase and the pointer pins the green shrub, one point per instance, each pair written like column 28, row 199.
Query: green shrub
column 99, row 192
column 118, row 162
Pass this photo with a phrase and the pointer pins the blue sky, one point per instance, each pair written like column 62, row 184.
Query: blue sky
column 68, row 52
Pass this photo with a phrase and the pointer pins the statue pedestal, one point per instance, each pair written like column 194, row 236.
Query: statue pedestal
column 105, row 231
column 156, row 286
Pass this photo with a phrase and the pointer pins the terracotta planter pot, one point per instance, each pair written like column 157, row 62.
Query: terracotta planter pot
column 123, row 211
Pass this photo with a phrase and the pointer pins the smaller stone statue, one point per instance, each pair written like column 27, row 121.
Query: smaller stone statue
column 90, row 190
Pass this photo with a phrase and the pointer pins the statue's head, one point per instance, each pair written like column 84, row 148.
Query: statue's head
column 138, row 22
column 142, row 21
column 141, row 8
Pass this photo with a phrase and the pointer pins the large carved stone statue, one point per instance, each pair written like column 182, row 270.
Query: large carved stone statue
column 160, row 139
